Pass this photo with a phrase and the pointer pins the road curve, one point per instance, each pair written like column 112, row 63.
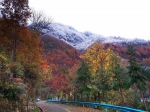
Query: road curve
column 52, row 107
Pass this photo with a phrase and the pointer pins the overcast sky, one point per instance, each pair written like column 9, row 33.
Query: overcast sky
column 125, row 18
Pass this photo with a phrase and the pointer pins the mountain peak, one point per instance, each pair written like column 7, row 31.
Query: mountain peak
column 82, row 40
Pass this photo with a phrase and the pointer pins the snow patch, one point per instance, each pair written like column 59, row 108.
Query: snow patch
column 82, row 40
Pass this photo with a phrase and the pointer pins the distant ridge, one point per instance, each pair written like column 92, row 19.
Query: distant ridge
column 82, row 40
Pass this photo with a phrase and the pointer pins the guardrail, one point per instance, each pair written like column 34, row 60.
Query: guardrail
column 106, row 106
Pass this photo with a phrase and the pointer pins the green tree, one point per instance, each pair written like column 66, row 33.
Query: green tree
column 83, row 79
column 102, row 83
column 120, row 80
column 136, row 72
column 10, row 86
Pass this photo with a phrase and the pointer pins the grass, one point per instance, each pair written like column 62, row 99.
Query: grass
column 36, row 110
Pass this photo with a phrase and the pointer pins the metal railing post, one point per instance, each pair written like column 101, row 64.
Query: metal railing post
column 106, row 109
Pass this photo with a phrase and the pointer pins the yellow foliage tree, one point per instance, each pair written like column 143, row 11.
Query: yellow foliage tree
column 97, row 57
column 101, row 62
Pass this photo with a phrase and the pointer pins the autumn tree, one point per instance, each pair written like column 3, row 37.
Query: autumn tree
column 15, row 14
column 97, row 57
column 17, row 38
column 100, row 62
column 10, row 88
column 146, row 61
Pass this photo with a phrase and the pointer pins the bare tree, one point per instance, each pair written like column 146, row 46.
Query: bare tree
column 39, row 21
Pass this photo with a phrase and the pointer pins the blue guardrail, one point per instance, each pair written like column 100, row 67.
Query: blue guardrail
column 106, row 106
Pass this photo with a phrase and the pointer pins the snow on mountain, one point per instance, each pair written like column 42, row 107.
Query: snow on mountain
column 71, row 36
column 0, row 15
column 82, row 40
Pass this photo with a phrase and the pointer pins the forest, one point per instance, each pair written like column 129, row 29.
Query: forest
column 36, row 66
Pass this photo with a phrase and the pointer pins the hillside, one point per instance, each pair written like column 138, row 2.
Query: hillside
column 66, row 37
column 59, row 54
column 64, row 59
column 51, row 43
column 141, row 50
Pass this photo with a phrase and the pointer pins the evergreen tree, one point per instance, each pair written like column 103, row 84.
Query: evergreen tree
column 102, row 83
column 120, row 80
column 83, row 79
column 135, row 69
column 136, row 72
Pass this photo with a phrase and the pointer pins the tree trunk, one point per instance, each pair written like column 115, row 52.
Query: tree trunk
column 122, row 99
column 94, row 96
column 81, row 97
column 14, row 50
column 74, row 96
column 99, row 96
column 103, row 95
column 144, row 103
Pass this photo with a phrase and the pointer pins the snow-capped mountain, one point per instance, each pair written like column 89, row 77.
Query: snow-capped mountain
column 82, row 40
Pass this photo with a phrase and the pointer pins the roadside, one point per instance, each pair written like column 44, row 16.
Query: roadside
column 52, row 107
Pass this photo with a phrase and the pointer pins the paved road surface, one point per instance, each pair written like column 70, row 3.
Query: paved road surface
column 52, row 107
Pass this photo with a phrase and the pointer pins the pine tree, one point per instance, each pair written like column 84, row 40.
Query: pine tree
column 135, row 69
column 136, row 72
column 120, row 80
column 83, row 79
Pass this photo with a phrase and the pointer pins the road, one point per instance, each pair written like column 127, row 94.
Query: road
column 52, row 107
